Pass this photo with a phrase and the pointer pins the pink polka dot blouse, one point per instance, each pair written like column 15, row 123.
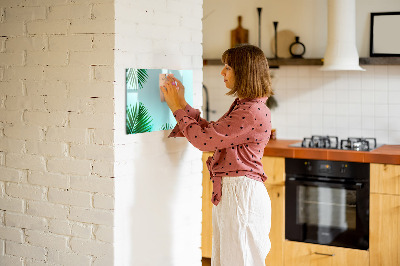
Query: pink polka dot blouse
column 238, row 139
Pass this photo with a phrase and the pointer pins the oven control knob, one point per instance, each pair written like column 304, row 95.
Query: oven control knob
column 308, row 166
column 343, row 168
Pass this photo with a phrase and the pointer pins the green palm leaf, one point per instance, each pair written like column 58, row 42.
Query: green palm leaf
column 136, row 77
column 138, row 119
column 167, row 126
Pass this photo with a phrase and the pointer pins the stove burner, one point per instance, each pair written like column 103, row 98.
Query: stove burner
column 328, row 142
column 332, row 142
column 358, row 144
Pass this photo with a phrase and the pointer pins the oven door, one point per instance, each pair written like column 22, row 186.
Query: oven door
column 327, row 213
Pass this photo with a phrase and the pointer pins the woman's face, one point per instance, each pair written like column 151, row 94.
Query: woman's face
column 229, row 76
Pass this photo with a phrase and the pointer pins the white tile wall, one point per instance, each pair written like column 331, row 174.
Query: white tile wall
column 342, row 103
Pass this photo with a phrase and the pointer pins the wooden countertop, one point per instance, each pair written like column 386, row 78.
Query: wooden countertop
column 389, row 154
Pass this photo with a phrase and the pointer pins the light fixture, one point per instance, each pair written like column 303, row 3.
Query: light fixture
column 341, row 51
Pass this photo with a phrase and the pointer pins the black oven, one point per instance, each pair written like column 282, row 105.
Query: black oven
column 327, row 202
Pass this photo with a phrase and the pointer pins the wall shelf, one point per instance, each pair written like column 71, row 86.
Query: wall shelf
column 274, row 63
column 380, row 61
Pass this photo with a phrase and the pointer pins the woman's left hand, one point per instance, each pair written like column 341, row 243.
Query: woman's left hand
column 171, row 95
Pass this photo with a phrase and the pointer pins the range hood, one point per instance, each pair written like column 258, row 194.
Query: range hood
column 341, row 51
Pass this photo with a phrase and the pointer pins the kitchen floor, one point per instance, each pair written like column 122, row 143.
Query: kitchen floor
column 206, row 261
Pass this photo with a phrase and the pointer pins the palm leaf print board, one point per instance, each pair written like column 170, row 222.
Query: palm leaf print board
column 146, row 110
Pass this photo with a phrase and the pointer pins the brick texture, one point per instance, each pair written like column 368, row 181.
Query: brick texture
column 25, row 250
column 62, row 102
column 24, row 221
column 11, row 233
column 69, row 197
column 46, row 209
column 156, row 34
column 68, row 258
column 95, row 216
column 47, row 240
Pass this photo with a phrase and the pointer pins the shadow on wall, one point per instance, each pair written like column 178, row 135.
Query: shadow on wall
column 156, row 192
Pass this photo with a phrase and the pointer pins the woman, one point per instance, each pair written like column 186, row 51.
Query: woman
column 242, row 208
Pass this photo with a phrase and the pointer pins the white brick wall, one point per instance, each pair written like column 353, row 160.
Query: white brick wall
column 68, row 258
column 62, row 134
column 154, row 177
column 56, row 132
column 17, row 220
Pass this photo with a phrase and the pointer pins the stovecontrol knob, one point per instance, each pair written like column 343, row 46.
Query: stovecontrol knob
column 308, row 166
column 343, row 168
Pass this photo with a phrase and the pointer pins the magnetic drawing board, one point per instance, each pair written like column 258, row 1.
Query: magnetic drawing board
column 146, row 110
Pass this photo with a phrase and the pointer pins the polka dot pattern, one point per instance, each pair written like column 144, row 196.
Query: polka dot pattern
column 238, row 139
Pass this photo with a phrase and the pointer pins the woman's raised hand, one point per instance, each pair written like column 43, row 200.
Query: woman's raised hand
column 181, row 91
column 174, row 94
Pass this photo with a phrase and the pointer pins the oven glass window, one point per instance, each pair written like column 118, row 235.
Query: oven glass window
column 326, row 207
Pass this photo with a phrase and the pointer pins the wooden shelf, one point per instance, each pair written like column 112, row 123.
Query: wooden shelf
column 380, row 61
column 274, row 63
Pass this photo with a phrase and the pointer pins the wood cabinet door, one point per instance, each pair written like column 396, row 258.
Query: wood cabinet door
column 277, row 233
column 206, row 225
column 305, row 254
column 384, row 236
column 274, row 168
column 385, row 178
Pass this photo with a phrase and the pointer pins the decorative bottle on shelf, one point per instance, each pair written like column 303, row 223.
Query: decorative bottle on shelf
column 259, row 9
column 297, row 49
column 276, row 38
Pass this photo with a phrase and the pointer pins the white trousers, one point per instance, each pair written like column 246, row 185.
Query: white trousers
column 241, row 223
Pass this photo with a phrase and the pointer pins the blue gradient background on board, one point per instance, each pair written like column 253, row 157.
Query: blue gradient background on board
column 149, row 95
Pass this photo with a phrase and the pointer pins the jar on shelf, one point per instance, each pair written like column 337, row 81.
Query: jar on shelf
column 297, row 49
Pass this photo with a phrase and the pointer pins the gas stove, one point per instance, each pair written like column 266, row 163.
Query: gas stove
column 332, row 142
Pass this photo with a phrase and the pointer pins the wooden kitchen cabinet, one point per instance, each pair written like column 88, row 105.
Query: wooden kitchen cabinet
column 384, row 237
column 277, row 233
column 206, row 225
column 385, row 178
column 305, row 254
column 274, row 168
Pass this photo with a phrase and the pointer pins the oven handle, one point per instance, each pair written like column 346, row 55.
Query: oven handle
column 357, row 185
column 324, row 254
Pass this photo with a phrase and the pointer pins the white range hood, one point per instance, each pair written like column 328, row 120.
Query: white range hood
column 341, row 51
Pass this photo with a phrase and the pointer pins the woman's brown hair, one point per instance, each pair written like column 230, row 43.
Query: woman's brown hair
column 250, row 66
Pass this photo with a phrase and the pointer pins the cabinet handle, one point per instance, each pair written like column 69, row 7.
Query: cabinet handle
column 324, row 254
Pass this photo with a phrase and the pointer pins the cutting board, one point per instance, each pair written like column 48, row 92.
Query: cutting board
column 239, row 35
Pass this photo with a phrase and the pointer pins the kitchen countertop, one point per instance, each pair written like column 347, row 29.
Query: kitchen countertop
column 389, row 154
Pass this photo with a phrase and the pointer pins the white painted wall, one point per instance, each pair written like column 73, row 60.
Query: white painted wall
column 344, row 103
column 158, row 180
column 305, row 18
column 56, row 132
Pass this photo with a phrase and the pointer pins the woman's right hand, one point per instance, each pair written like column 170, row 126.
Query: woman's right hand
column 181, row 91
